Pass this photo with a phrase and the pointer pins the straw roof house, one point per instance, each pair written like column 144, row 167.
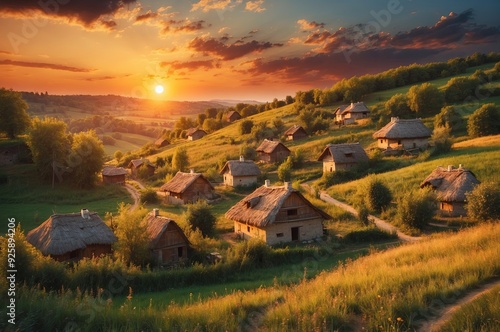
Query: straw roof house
column 194, row 134
column 451, row 185
column 161, row 142
column 72, row 236
column 272, row 151
column 186, row 188
column 112, row 174
column 240, row 172
column 233, row 116
column 337, row 157
column 277, row 214
column 403, row 135
column 168, row 243
column 295, row 132
column 136, row 163
column 350, row 113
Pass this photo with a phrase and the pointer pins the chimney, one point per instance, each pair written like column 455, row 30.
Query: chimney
column 352, row 105
column 242, row 159
column 288, row 186
column 394, row 118
column 267, row 183
column 450, row 168
column 191, row 171
column 460, row 166
column 85, row 213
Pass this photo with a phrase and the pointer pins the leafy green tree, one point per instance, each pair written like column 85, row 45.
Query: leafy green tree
column 416, row 208
column 149, row 196
column 13, row 108
column 289, row 100
column 160, row 162
column 86, row 158
column 483, row 202
column 484, row 121
column 49, row 144
column 261, row 131
column 180, row 159
column 449, row 117
column 248, row 111
column 246, row 127
column 248, row 152
column 279, row 126
column 210, row 125
column 200, row 216
column 397, row 105
column 201, row 118
column 425, row 99
column 285, row 170
column 441, row 136
column 133, row 241
column 211, row 112
column 118, row 155
column 459, row 88
column 375, row 194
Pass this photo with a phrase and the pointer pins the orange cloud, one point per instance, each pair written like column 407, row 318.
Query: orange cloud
column 43, row 66
column 255, row 6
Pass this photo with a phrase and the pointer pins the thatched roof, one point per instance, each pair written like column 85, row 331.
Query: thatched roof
column 260, row 208
column 162, row 141
column 241, row 168
column 182, row 181
column 156, row 225
column 233, row 113
column 340, row 109
column 344, row 153
column 295, row 128
column 359, row 107
column 450, row 183
column 138, row 163
column 191, row 131
column 113, row 171
column 268, row 146
column 398, row 129
column 63, row 233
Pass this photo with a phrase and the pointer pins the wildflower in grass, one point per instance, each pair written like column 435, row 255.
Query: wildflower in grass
column 399, row 319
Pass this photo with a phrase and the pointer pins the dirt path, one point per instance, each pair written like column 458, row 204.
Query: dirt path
column 134, row 193
column 446, row 313
column 382, row 224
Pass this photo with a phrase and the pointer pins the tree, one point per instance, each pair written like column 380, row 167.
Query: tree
column 425, row 99
column 458, row 89
column 199, row 216
column 279, row 126
column 160, row 162
column 49, row 143
column 118, row 155
column 248, row 111
column 180, row 159
column 448, row 117
column 483, row 202
column 397, row 105
column 86, row 158
column 285, row 170
column 416, row 208
column 246, row 127
column 210, row 125
column 441, row 136
column 484, row 121
column 201, row 118
column 375, row 194
column 211, row 112
column 289, row 100
column 133, row 241
column 13, row 108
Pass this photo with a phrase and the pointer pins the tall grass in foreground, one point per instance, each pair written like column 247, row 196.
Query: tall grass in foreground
column 391, row 290
column 481, row 315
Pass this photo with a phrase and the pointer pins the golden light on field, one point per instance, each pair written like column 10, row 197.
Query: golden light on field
column 159, row 89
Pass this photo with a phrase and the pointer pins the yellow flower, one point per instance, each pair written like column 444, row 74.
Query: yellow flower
column 399, row 319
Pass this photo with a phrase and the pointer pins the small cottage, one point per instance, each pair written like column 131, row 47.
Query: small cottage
column 161, row 142
column 72, row 236
column 187, row 188
column 337, row 157
column 403, row 135
column 168, row 244
column 112, row 174
column 194, row 134
column 240, row 172
column 277, row 214
column 135, row 164
column 233, row 116
column 294, row 133
column 451, row 185
column 272, row 151
column 347, row 114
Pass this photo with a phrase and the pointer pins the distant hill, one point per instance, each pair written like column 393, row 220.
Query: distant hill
column 233, row 102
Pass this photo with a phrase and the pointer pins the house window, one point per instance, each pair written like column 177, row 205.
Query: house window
column 331, row 169
column 248, row 229
column 381, row 141
column 279, row 234
column 180, row 252
column 291, row 212
column 239, row 228
column 399, row 142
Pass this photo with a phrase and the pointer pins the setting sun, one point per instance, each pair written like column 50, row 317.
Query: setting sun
column 159, row 89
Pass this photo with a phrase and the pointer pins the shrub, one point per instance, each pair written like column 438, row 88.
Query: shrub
column 285, row 170
column 149, row 196
column 397, row 105
column 450, row 117
column 369, row 234
column 375, row 194
column 483, row 203
column 199, row 216
column 416, row 208
column 363, row 215
column 425, row 99
column 484, row 121
column 442, row 139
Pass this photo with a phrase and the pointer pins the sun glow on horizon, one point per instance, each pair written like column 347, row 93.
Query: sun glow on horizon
column 159, row 89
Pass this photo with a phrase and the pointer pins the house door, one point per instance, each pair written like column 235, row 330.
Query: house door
column 295, row 233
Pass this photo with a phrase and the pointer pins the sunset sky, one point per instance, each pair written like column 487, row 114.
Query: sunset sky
column 228, row 49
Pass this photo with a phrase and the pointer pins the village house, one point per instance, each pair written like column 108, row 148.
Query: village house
column 277, row 214
column 348, row 114
column 112, row 174
column 72, row 236
column 194, row 134
column 186, row 188
column 135, row 164
column 403, row 135
column 167, row 242
column 451, row 185
column 272, row 151
column 233, row 116
column 336, row 157
column 295, row 132
column 240, row 172
column 161, row 142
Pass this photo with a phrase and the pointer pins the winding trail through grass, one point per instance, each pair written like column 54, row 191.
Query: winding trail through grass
column 134, row 193
column 446, row 313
